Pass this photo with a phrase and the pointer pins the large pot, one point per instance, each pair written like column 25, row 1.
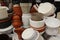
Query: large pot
column 32, row 35
column 52, row 25
column 46, row 8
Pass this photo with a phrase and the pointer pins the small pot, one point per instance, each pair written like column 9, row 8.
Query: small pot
column 37, row 24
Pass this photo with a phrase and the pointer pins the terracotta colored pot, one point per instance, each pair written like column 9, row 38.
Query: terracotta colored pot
column 25, row 7
column 17, row 10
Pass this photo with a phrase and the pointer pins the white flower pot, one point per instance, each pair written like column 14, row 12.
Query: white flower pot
column 52, row 22
column 46, row 8
column 52, row 25
column 37, row 24
column 30, row 34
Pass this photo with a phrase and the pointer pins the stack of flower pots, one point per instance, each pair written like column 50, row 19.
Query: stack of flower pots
column 17, row 19
column 41, row 19
column 5, row 20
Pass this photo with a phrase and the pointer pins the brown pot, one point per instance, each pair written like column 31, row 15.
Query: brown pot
column 17, row 10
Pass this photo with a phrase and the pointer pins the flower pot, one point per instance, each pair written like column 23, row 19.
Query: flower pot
column 31, row 35
column 37, row 24
column 46, row 10
column 3, row 12
column 25, row 7
column 52, row 25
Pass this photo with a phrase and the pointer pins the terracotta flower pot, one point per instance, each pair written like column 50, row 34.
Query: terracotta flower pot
column 17, row 10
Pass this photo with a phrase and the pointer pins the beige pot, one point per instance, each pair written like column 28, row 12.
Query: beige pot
column 25, row 7
column 3, row 12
